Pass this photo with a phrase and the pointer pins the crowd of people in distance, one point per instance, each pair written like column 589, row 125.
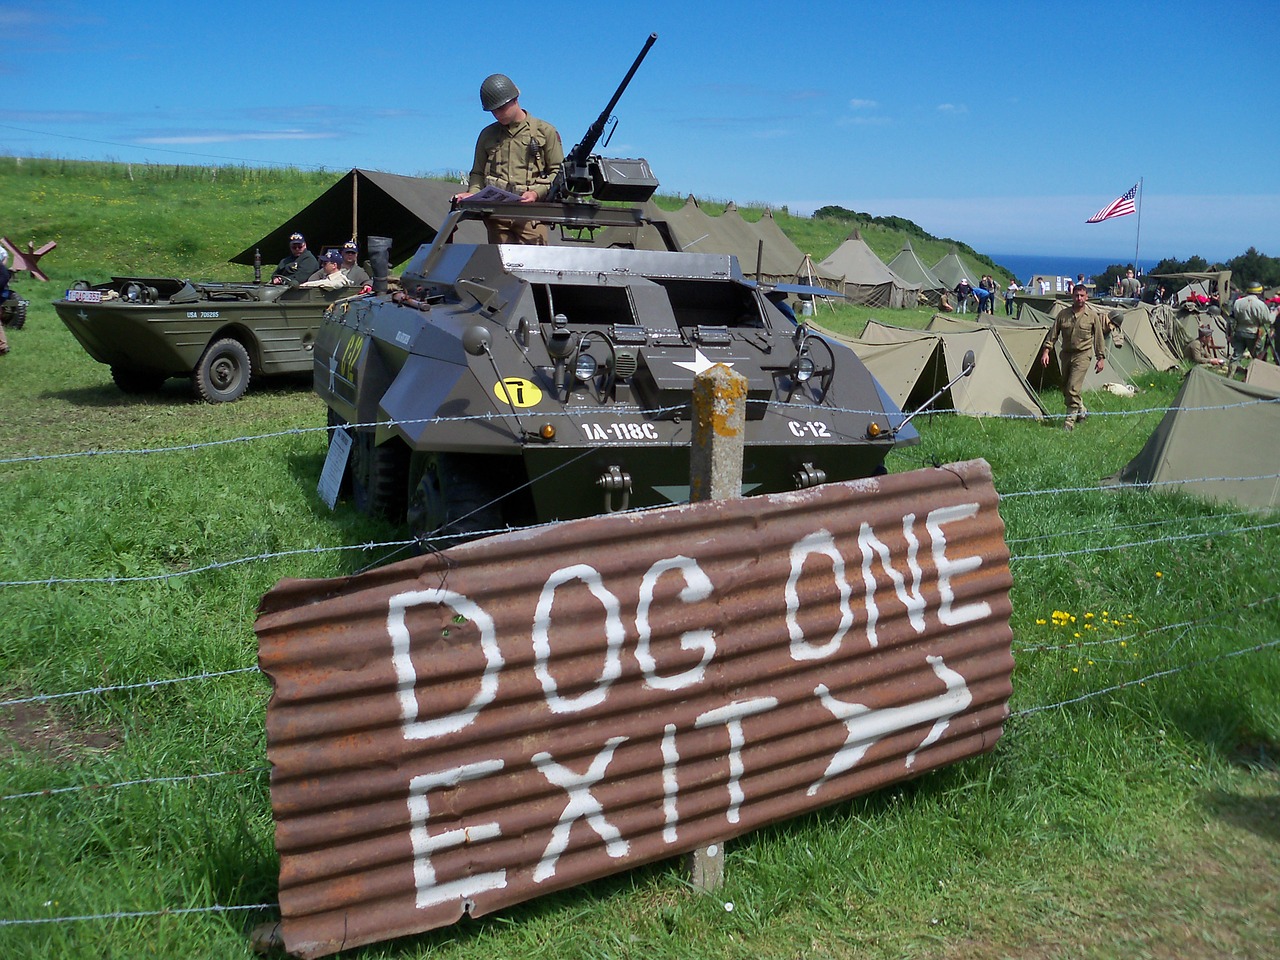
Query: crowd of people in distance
column 983, row 297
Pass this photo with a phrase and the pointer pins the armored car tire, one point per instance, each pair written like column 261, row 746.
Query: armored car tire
column 222, row 375
column 456, row 500
column 134, row 382
column 379, row 475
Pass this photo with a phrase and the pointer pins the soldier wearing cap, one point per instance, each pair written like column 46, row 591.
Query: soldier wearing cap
column 518, row 153
column 358, row 276
column 299, row 264
column 1249, row 318
column 1082, row 329
column 331, row 267
column 1200, row 351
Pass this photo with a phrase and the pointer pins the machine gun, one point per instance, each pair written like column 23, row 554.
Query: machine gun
column 583, row 177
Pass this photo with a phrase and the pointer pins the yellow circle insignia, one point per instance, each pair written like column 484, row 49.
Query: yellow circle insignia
column 518, row 392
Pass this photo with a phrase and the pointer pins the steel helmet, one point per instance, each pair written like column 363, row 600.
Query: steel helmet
column 497, row 90
column 1255, row 287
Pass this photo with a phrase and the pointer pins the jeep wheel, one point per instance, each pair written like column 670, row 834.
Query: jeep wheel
column 136, row 382
column 16, row 316
column 222, row 375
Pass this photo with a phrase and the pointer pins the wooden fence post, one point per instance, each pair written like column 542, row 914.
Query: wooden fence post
column 715, row 473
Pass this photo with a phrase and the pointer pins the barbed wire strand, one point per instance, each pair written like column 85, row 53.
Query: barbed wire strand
column 140, row 914
column 1127, row 638
column 436, row 536
column 215, row 908
column 588, row 411
column 141, row 781
column 1270, row 644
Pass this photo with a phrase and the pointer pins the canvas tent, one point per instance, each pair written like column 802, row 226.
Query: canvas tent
column 1202, row 447
column 952, row 267
column 409, row 210
column 912, row 269
column 924, row 361
column 782, row 257
column 867, row 280
column 746, row 244
column 1023, row 343
column 1259, row 373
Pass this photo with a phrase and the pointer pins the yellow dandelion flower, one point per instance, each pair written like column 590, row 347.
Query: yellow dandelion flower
column 1159, row 574
column 1088, row 616
column 1077, row 633
column 1123, row 644
column 1104, row 613
column 1040, row 622
column 1075, row 669
column 1090, row 662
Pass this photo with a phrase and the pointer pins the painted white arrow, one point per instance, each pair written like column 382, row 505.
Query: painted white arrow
column 866, row 727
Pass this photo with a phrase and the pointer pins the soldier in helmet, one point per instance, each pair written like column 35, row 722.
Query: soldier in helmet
column 518, row 153
column 1250, row 318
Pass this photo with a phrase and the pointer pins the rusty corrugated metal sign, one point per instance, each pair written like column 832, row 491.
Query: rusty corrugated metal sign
column 457, row 733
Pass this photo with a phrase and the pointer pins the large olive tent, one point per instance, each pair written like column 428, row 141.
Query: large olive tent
column 951, row 268
column 867, row 280
column 929, row 360
column 913, row 270
column 409, row 210
column 1202, row 445
column 366, row 203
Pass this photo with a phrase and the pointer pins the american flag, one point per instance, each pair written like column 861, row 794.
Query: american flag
column 1119, row 207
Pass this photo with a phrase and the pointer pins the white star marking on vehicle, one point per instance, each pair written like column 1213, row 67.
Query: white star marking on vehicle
column 82, row 315
column 699, row 363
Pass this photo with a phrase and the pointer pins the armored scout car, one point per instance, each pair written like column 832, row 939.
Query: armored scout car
column 506, row 384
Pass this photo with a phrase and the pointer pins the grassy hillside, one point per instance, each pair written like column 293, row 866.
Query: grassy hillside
column 1131, row 808
column 131, row 219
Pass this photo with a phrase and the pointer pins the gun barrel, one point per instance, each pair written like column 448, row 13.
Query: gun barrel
column 579, row 154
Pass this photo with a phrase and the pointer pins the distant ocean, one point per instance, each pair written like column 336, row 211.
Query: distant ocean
column 1025, row 266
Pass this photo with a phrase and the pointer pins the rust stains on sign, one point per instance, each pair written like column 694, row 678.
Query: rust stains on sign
column 457, row 733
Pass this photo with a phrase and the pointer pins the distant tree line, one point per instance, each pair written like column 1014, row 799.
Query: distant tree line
column 909, row 227
column 1249, row 267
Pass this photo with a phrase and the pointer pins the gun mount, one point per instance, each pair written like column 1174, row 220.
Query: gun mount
column 584, row 177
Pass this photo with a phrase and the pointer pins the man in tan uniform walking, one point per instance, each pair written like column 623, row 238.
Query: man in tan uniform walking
column 1081, row 328
column 518, row 153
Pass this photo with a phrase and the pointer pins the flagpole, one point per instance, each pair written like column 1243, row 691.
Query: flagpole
column 1138, row 234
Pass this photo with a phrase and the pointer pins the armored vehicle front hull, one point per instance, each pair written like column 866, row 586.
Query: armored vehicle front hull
column 514, row 384
column 220, row 334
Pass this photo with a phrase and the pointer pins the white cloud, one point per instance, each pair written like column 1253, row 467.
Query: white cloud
column 863, row 104
column 952, row 108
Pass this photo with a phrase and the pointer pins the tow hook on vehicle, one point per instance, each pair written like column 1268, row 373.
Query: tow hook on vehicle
column 611, row 481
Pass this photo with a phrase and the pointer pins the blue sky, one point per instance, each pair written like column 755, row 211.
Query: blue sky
column 1005, row 125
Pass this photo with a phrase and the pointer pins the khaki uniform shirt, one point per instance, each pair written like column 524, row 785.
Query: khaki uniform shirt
column 524, row 156
column 1081, row 333
column 1195, row 352
column 1250, row 313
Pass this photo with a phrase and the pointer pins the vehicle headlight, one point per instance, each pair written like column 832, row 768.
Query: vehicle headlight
column 585, row 367
column 802, row 368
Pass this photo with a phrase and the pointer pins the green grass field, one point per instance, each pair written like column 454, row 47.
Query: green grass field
column 1132, row 808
